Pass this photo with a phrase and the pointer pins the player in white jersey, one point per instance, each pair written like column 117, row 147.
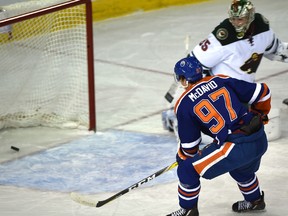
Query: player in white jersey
column 237, row 45
column 235, row 48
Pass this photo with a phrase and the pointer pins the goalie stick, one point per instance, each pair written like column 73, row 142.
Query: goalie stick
column 84, row 200
column 169, row 96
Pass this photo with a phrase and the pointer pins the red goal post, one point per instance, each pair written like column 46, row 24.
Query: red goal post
column 47, row 65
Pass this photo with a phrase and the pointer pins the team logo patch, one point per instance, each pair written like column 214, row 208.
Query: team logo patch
column 222, row 34
column 255, row 57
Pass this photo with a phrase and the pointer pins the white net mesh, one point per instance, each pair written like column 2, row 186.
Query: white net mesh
column 44, row 68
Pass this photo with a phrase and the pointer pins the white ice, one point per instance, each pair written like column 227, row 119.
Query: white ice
column 134, row 60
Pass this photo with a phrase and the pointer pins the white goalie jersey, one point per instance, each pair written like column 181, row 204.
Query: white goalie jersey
column 223, row 53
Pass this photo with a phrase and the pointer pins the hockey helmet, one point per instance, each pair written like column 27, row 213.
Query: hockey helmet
column 241, row 15
column 189, row 68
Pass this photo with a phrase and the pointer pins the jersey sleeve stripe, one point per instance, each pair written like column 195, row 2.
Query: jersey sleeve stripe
column 264, row 102
column 266, row 93
column 268, row 49
column 265, row 98
column 256, row 93
column 191, row 144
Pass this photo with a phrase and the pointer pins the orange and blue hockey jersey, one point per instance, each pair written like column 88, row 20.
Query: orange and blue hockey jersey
column 217, row 106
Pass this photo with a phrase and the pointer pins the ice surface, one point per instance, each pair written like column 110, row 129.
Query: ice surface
column 134, row 59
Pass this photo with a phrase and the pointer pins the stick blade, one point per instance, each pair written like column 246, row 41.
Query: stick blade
column 100, row 203
column 169, row 96
column 83, row 200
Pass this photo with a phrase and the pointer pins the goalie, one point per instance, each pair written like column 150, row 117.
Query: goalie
column 235, row 48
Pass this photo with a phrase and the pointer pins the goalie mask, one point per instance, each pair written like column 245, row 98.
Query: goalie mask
column 241, row 15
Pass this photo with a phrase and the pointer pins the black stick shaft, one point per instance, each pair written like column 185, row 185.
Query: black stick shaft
column 136, row 185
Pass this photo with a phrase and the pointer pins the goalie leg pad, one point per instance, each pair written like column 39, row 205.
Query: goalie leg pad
column 169, row 119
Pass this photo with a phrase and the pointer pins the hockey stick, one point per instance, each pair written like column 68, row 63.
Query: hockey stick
column 169, row 96
column 88, row 202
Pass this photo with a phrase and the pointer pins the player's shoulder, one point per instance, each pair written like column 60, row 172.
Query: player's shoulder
column 225, row 32
column 211, row 82
column 220, row 76
column 219, row 80
column 262, row 23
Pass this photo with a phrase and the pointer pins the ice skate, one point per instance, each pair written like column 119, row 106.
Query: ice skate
column 245, row 206
column 185, row 212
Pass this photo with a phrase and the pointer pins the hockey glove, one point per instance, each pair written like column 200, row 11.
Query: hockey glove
column 181, row 156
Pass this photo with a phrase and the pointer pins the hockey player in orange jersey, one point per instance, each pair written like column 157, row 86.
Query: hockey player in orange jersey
column 214, row 105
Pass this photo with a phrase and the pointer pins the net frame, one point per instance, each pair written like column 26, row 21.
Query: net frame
column 89, row 44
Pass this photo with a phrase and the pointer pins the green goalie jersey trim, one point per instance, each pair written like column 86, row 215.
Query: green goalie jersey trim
column 226, row 34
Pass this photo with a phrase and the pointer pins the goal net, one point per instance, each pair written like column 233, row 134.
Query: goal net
column 46, row 64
